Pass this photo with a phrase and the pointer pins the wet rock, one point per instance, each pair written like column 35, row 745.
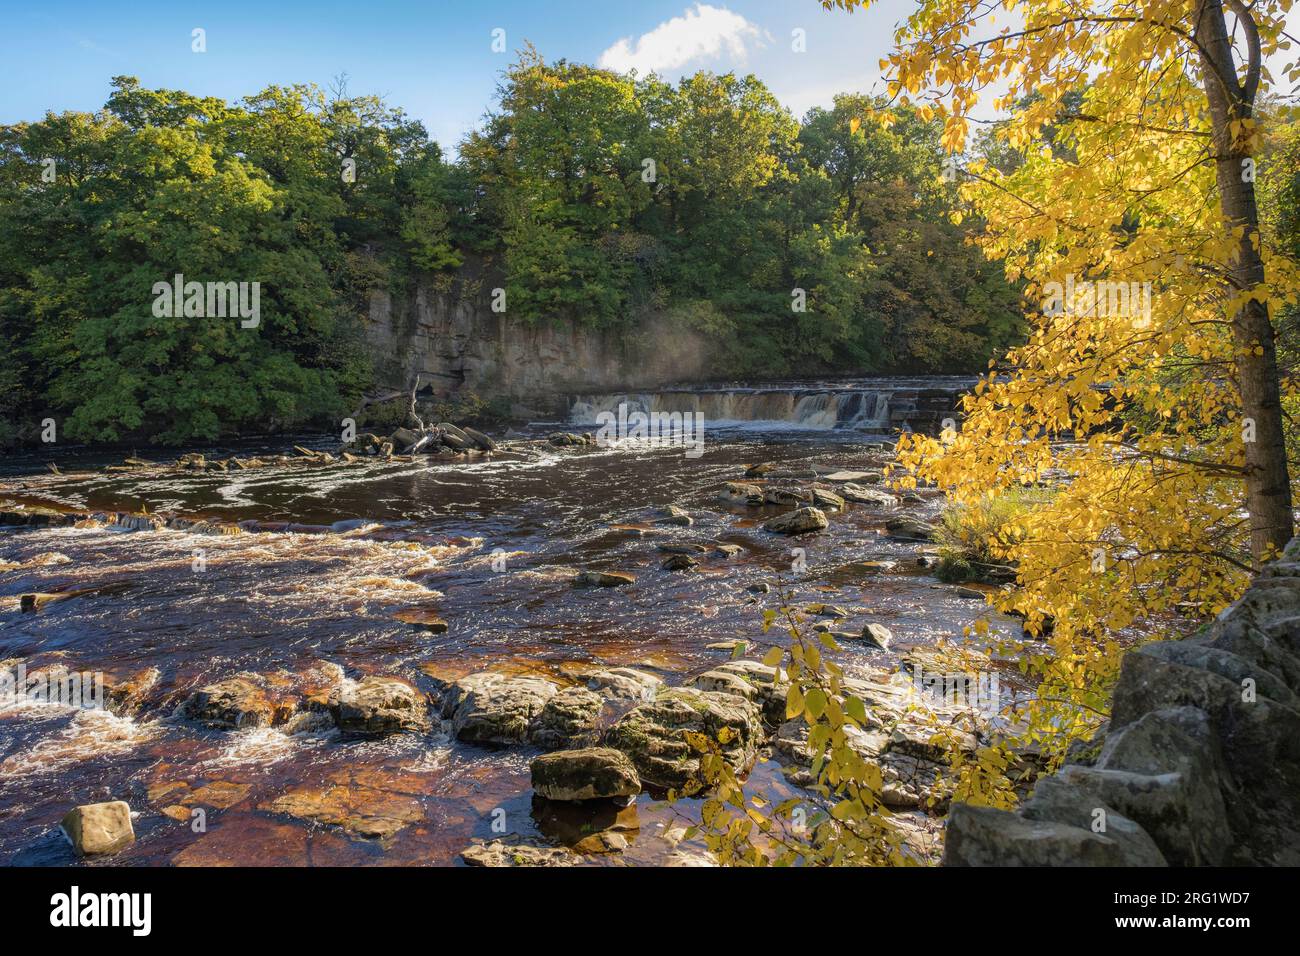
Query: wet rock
column 481, row 441
column 232, row 704
column 800, row 521
column 877, row 635
column 563, row 439
column 762, row 587
column 404, row 438
column 680, row 562
column 786, row 496
column 95, row 829
column 361, row 810
column 674, row 515
column 729, row 550
column 570, row 717
column 758, row 471
column 657, row 735
column 124, row 697
column 376, row 706
column 826, row 610
column 624, row 683
column 740, row 493
column 588, row 826
column 501, row 853
column 907, row 528
column 602, row 579
column 488, row 708
column 849, row 477
column 868, row 496
column 592, row 773
column 827, row 499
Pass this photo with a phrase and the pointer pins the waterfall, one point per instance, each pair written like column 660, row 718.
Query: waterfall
column 876, row 406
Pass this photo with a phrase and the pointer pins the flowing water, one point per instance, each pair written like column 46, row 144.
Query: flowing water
column 333, row 564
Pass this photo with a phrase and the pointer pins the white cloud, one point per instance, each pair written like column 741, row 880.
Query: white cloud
column 703, row 33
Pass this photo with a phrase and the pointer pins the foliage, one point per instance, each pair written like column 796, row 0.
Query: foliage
column 974, row 537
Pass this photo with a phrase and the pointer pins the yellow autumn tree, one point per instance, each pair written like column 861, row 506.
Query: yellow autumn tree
column 1148, row 395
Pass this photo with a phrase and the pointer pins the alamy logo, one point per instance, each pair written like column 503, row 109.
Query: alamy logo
column 67, row 688
column 73, row 909
column 654, row 429
column 219, row 300
column 1087, row 298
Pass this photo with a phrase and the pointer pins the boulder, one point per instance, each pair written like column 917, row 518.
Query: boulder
column 680, row 562
column 982, row 836
column 800, row 521
column 571, row 716
column 741, row 493
column 593, row 773
column 827, row 499
column 786, row 496
column 381, row 705
column 234, row 703
column 877, row 635
column 657, row 735
column 907, row 528
column 674, row 515
column 602, row 579
column 95, row 829
column 868, row 496
column 480, row 440
column 489, row 708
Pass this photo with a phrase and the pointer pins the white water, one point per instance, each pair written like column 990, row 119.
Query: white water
column 865, row 407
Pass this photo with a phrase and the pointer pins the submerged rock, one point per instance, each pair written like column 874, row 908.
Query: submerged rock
column 800, row 521
column 95, row 829
column 592, row 773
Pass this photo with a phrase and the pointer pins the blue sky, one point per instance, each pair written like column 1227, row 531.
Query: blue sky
column 433, row 58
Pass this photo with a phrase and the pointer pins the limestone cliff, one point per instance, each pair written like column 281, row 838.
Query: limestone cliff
column 454, row 340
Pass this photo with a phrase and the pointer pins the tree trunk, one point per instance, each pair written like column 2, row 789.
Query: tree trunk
column 1268, row 484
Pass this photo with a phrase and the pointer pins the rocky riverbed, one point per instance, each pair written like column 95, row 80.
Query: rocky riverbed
column 487, row 655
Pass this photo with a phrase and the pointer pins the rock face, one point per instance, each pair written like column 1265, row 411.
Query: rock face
column 799, row 521
column 457, row 340
column 1200, row 764
column 382, row 705
column 592, row 773
column 656, row 735
column 99, row 828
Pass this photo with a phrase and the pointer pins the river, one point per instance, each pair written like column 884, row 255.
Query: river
column 336, row 577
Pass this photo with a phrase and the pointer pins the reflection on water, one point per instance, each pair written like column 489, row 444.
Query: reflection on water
column 487, row 546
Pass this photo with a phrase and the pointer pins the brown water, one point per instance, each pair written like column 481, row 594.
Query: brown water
column 406, row 535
